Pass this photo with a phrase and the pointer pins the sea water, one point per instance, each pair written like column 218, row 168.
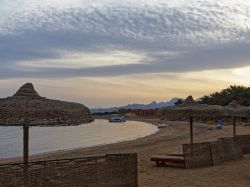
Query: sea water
column 48, row 139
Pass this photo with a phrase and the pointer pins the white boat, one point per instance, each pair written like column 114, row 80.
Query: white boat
column 161, row 125
column 117, row 118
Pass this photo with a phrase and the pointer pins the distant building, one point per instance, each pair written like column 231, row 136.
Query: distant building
column 139, row 112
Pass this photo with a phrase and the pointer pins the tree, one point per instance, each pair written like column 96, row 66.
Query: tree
column 225, row 96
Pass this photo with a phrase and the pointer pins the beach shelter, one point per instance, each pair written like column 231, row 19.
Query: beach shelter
column 191, row 109
column 234, row 109
column 27, row 108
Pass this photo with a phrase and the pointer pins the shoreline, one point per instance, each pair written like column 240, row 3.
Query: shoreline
column 36, row 157
column 126, row 146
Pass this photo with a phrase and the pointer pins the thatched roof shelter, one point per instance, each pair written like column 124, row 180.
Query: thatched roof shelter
column 190, row 108
column 234, row 109
column 27, row 107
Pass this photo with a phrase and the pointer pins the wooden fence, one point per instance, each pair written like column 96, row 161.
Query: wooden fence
column 244, row 142
column 105, row 171
column 212, row 153
column 198, row 155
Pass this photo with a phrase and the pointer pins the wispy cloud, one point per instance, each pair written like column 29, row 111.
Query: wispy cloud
column 160, row 36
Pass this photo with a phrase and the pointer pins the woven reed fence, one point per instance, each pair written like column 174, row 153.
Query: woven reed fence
column 217, row 150
column 232, row 150
column 105, row 171
column 244, row 142
column 197, row 155
column 211, row 153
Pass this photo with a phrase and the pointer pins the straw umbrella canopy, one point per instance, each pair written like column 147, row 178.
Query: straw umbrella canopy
column 27, row 108
column 190, row 109
column 234, row 109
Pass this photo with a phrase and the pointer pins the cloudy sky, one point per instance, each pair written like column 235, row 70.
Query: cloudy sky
column 109, row 52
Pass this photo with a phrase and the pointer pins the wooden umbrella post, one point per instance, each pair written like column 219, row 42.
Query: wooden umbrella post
column 25, row 154
column 25, row 144
column 234, row 126
column 191, row 134
column 191, row 131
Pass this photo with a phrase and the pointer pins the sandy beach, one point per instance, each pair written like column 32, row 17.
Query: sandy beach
column 169, row 140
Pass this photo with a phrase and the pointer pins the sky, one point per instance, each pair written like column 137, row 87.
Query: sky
column 108, row 53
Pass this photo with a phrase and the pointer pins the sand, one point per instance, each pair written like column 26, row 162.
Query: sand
column 170, row 140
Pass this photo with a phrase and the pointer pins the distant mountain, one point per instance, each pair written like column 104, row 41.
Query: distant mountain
column 152, row 105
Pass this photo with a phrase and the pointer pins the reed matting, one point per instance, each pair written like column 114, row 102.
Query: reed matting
column 197, row 155
column 105, row 171
column 244, row 142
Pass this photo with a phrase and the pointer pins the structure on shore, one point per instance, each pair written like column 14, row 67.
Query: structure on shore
column 27, row 108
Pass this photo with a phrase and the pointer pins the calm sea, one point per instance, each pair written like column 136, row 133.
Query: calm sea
column 46, row 139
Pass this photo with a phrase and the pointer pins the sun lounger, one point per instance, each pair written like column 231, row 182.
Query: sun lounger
column 172, row 160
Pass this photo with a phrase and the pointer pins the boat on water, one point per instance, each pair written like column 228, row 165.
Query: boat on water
column 161, row 126
column 117, row 118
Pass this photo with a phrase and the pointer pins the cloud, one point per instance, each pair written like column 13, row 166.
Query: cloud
column 178, row 36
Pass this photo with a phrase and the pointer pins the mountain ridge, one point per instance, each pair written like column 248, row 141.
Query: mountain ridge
column 152, row 105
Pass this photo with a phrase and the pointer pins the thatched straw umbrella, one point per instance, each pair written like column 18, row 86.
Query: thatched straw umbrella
column 234, row 109
column 27, row 108
column 190, row 109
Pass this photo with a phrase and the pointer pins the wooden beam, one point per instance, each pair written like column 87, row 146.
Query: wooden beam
column 25, row 144
column 191, row 131
column 234, row 126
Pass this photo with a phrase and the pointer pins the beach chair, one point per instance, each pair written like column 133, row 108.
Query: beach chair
column 171, row 160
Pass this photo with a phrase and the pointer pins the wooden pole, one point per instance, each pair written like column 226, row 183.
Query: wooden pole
column 191, row 131
column 234, row 126
column 25, row 144
column 25, row 154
